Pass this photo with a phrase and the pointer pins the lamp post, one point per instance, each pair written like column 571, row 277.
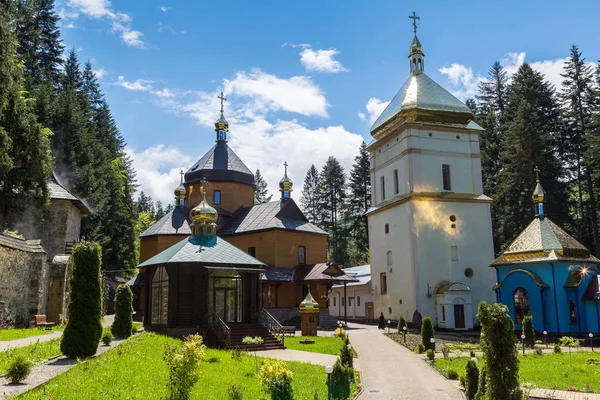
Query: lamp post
column 591, row 335
column 329, row 370
column 432, row 341
column 404, row 332
column 523, row 341
column 389, row 324
column 474, row 359
column 546, row 338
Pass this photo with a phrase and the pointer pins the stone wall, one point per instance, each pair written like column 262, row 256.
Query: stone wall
column 62, row 224
column 24, row 280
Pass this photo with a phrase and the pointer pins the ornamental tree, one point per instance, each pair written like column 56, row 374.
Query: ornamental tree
column 528, row 331
column 123, row 322
column 427, row 333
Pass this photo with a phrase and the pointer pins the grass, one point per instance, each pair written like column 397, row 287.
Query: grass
column 21, row 333
column 322, row 344
column 35, row 352
column 135, row 370
column 552, row 371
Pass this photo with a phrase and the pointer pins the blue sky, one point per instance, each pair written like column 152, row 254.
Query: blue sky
column 305, row 79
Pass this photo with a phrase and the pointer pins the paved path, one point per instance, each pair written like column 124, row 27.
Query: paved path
column 389, row 371
column 546, row 394
column 303, row 356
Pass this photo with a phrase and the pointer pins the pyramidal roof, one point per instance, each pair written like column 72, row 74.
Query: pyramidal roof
column 420, row 92
column 220, row 163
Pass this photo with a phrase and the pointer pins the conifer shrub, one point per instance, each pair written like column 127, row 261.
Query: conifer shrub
column 556, row 348
column 452, row 374
column 498, row 343
column 401, row 324
column 471, row 379
column 430, row 354
column 183, row 363
column 528, row 331
column 123, row 323
column 275, row 376
column 340, row 381
column 427, row 333
column 18, row 369
column 84, row 327
column 346, row 354
column 420, row 349
column 107, row 337
column 482, row 384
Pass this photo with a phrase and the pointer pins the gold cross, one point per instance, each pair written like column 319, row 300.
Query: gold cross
column 181, row 173
column 222, row 100
column 414, row 18
column 537, row 174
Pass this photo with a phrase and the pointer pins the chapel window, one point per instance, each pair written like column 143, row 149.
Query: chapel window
column 387, row 228
column 389, row 257
column 252, row 251
column 217, row 197
column 383, row 188
column 160, row 296
column 396, row 186
column 334, row 302
column 301, row 254
column 521, row 303
column 446, row 177
column 443, row 313
column 358, row 301
column 572, row 312
column 383, row 282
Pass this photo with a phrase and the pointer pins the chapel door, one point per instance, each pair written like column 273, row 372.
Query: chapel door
column 459, row 316
column 369, row 311
column 227, row 299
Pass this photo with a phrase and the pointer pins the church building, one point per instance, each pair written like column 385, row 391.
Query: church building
column 430, row 232
column 545, row 272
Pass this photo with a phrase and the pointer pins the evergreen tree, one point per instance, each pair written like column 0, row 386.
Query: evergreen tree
column 529, row 141
column 360, row 201
column 579, row 102
column 144, row 204
column 528, row 331
column 160, row 211
column 123, row 322
column 262, row 188
column 427, row 333
column 311, row 194
column 144, row 221
column 332, row 205
column 471, row 380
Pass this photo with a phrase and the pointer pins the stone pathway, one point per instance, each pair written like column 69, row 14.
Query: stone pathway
column 303, row 356
column 546, row 394
column 390, row 371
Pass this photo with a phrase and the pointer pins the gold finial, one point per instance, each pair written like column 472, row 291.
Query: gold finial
column 222, row 100
column 537, row 174
column 181, row 173
column 414, row 18
column 203, row 182
column 285, row 164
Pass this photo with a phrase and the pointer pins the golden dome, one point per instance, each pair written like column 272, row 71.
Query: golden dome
column 285, row 183
column 309, row 303
column 180, row 190
column 204, row 218
column 415, row 46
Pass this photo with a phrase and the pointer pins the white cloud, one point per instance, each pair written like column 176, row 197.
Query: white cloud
column 71, row 25
column 100, row 73
column 463, row 78
column 164, row 8
column 362, row 116
column 66, row 14
column 321, row 60
column 374, row 108
column 157, row 170
column 132, row 38
column 139, row 85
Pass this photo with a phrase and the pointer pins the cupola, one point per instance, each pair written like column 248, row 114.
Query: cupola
column 222, row 126
column 204, row 217
column 285, row 185
column 309, row 303
column 416, row 56
column 538, row 195
column 180, row 193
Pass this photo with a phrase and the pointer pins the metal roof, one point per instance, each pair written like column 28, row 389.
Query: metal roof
column 280, row 274
column 204, row 250
column 59, row 192
column 175, row 222
column 420, row 92
column 220, row 163
column 322, row 272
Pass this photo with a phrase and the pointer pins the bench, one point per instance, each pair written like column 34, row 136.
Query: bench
column 289, row 330
column 40, row 320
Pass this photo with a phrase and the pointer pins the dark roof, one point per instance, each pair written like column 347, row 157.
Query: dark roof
column 206, row 251
column 280, row 214
column 322, row 272
column 59, row 192
column 175, row 222
column 30, row 246
column 279, row 274
column 593, row 290
column 575, row 277
column 220, row 164
column 138, row 280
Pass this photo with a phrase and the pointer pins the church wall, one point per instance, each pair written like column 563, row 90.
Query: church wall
column 62, row 224
column 152, row 245
column 355, row 311
column 233, row 195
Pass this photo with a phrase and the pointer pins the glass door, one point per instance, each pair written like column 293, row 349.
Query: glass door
column 227, row 298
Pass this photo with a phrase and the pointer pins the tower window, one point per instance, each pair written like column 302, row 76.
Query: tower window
column 389, row 258
column 301, row 254
column 217, row 197
column 572, row 312
column 334, row 302
column 387, row 228
column 383, row 282
column 383, row 188
column 521, row 303
column 396, row 186
column 446, row 177
column 252, row 251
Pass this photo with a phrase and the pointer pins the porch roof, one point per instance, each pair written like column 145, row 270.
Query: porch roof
column 327, row 273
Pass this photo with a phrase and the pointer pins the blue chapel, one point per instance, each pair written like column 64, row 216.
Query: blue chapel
column 545, row 272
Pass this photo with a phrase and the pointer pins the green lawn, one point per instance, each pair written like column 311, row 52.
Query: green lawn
column 322, row 344
column 35, row 352
column 551, row 370
column 20, row 333
column 135, row 370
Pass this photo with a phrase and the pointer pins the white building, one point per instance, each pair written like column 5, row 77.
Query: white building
column 358, row 302
column 430, row 231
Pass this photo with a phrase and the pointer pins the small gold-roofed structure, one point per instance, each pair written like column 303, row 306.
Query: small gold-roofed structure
column 309, row 308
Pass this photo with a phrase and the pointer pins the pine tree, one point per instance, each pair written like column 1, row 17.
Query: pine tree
column 332, row 203
column 360, row 201
column 311, row 194
column 579, row 102
column 262, row 188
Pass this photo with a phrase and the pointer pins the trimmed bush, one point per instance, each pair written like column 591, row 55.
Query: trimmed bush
column 123, row 323
column 452, row 374
column 420, row 349
column 401, row 324
column 84, row 327
column 430, row 354
column 19, row 369
column 498, row 344
column 183, row 363
column 557, row 348
column 277, row 378
column 528, row 331
column 538, row 351
column 471, row 379
column 107, row 337
column 482, row 384
column 427, row 333
column 346, row 355
column 340, row 381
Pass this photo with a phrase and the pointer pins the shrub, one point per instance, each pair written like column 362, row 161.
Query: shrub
column 183, row 362
column 471, row 353
column 235, row 393
column 420, row 349
column 346, row 354
column 498, row 344
column 123, row 322
column 84, row 327
column 340, row 381
column 18, row 369
column 557, row 348
column 427, row 333
column 107, row 337
column 430, row 354
column 452, row 374
column 462, row 381
column 275, row 376
column 482, row 384
column 471, row 379
column 528, row 331
column 340, row 332
column 539, row 342
column 538, row 351
column 593, row 361
column 401, row 324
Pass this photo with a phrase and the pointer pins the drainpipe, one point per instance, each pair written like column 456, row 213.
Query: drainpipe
column 555, row 301
column 345, row 307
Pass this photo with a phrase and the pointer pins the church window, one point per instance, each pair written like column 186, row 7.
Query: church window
column 419, row 64
column 572, row 312
column 454, row 253
column 349, row 301
column 387, row 228
column 521, row 303
column 160, row 296
column 389, row 257
column 383, row 188
column 334, row 302
column 446, row 177
column 217, row 197
column 443, row 313
column 358, row 301
column 383, row 282
column 396, row 186
column 469, row 272
column 301, row 254
column 252, row 251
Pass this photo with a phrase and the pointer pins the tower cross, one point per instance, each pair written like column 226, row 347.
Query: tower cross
column 414, row 18
column 181, row 173
column 537, row 173
column 222, row 100
column 285, row 164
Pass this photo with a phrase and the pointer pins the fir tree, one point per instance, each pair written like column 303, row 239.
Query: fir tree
column 123, row 322
column 332, row 203
column 311, row 194
column 262, row 188
column 360, row 201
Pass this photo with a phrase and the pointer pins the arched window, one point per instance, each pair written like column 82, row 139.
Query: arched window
column 572, row 312
column 389, row 258
column 358, row 301
column 160, row 296
column 334, row 302
column 420, row 68
column 521, row 302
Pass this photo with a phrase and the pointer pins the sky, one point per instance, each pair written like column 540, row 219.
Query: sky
column 303, row 80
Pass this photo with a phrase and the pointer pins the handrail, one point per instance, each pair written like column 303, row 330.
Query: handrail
column 221, row 329
column 273, row 326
